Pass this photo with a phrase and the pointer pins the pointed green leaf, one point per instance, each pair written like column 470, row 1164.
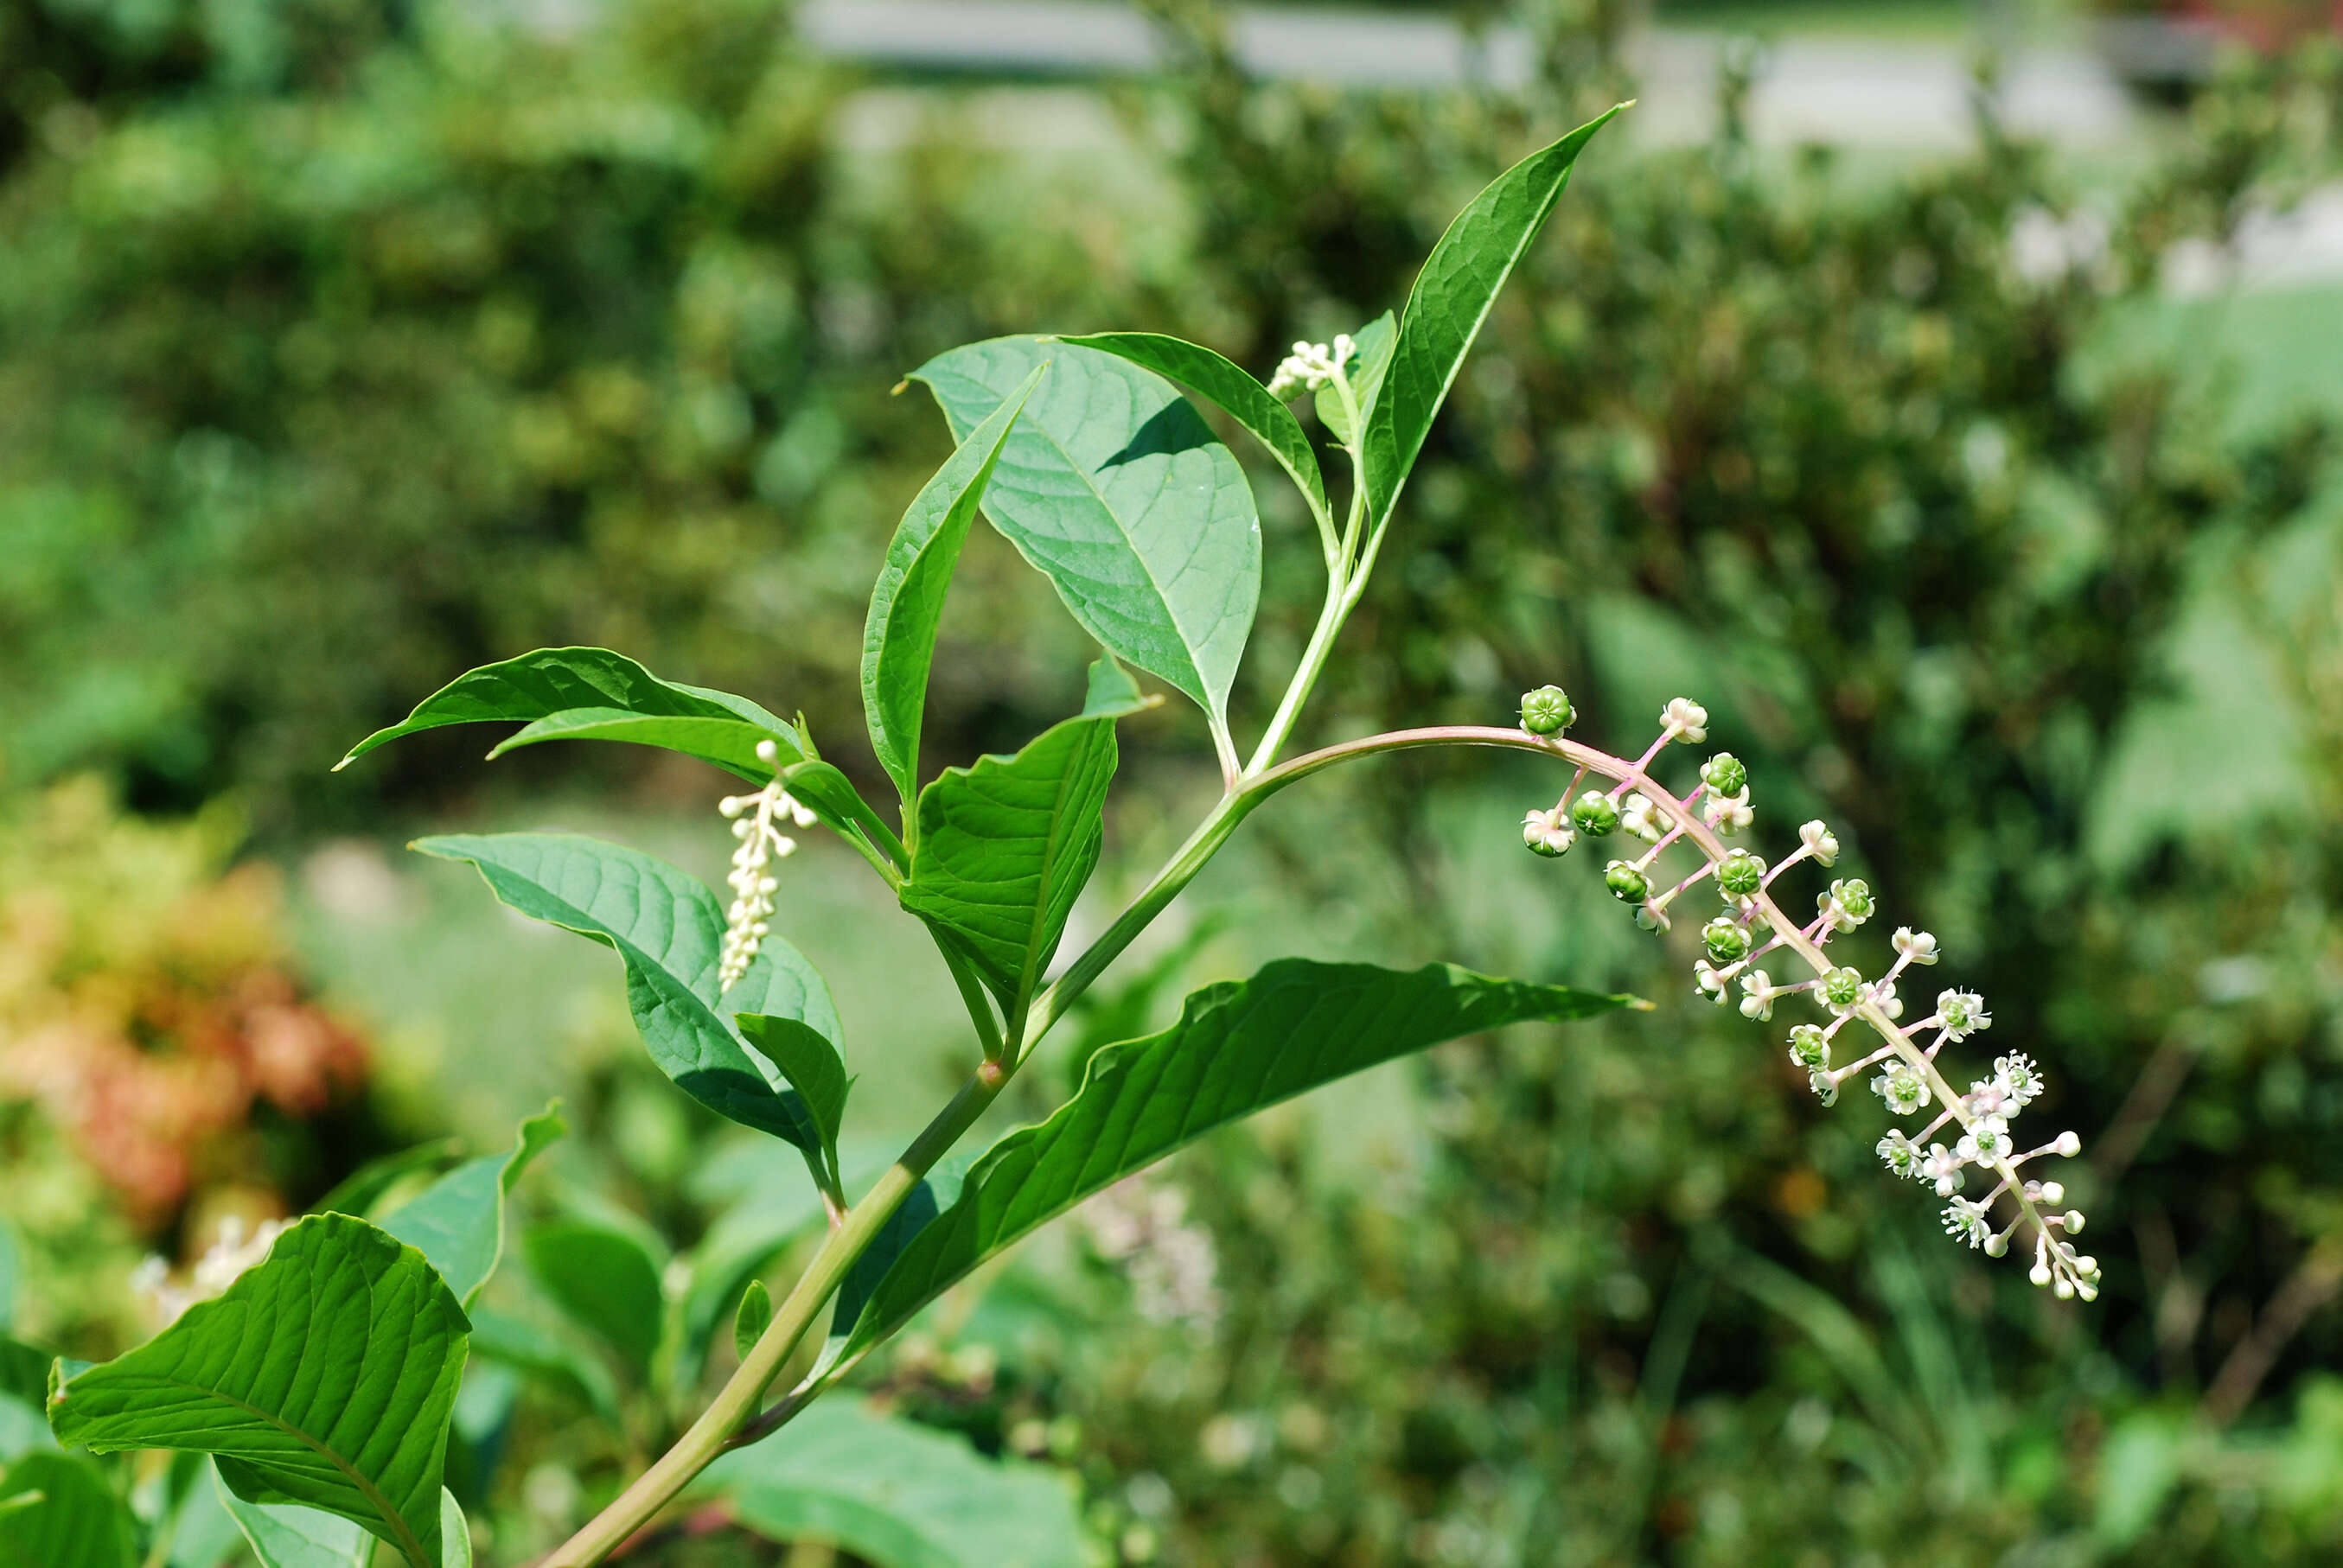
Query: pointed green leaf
column 1451, row 298
column 204, row 1534
column 358, row 1193
column 669, row 930
column 755, row 1316
column 454, row 1535
column 1371, row 355
column 898, row 639
column 458, row 1221
column 605, row 1279
column 808, row 1062
column 1237, row 1047
column 323, row 1377
column 831, row 795
column 63, row 1515
column 728, row 743
column 1113, row 486
column 1005, row 846
column 554, row 680
column 284, row 1536
column 572, row 1368
column 1232, row 390
column 899, row 1495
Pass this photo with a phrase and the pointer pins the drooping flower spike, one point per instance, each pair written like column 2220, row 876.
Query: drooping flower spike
column 755, row 823
column 1969, row 1135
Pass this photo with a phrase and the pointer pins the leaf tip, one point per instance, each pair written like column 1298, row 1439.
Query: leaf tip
column 900, row 388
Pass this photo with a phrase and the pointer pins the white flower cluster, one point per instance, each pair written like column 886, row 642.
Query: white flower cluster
column 1142, row 1228
column 1908, row 1079
column 751, row 880
column 1310, row 365
column 232, row 1251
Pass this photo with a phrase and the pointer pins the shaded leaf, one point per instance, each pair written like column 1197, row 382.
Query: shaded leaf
column 755, row 1316
column 1451, row 299
column 1230, row 389
column 605, row 1279
column 283, row 1536
column 458, row 1221
column 57, row 1511
column 538, row 1352
column 556, row 680
column 898, row 1494
column 1113, row 487
column 1004, row 847
column 809, row 1062
column 1239, row 1046
column 899, row 637
column 358, row 1193
column 669, row 930
column 323, row 1377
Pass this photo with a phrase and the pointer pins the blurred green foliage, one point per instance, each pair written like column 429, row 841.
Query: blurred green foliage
column 348, row 343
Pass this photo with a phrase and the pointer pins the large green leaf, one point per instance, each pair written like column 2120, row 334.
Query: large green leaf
column 323, row 1377
column 1232, row 390
column 669, row 930
column 898, row 1494
column 458, row 1221
column 284, row 1536
column 606, row 1279
column 606, row 696
column 75, row 1522
column 1115, row 487
column 1239, row 1046
column 362, row 1189
column 1004, row 847
column 898, row 638
column 1451, row 299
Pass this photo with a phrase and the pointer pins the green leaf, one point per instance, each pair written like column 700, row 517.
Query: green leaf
column 358, row 1193
column 458, row 1221
column 24, row 1396
column 809, row 1062
column 552, row 1360
column 755, row 1316
column 323, row 1377
column 898, row 639
column 1232, row 390
column 291, row 1537
column 1451, row 299
column 899, row 1496
column 1371, row 355
column 76, row 1523
column 558, row 681
column 1005, row 846
column 669, row 930
column 1239, row 1046
column 203, row 1533
column 1113, row 487
column 831, row 795
column 605, row 1279
column 728, row 743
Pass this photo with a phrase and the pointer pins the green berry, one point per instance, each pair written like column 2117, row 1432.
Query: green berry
column 1841, row 988
column 1741, row 874
column 1852, row 895
column 1627, row 884
column 1724, row 774
column 1546, row 710
column 1594, row 815
column 1726, row 938
column 1808, row 1048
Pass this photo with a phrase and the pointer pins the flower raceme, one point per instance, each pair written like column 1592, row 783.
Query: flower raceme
column 1969, row 1135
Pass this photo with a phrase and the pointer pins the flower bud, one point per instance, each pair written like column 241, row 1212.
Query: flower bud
column 1546, row 710
column 1727, row 814
column 1642, row 817
column 1594, row 815
column 1688, row 719
column 2069, row 1145
column 1627, row 884
column 1916, row 947
column 1819, row 842
column 1724, row 774
column 1740, row 874
column 1727, row 939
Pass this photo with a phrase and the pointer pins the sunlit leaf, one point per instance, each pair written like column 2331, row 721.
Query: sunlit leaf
column 458, row 1221
column 323, row 1377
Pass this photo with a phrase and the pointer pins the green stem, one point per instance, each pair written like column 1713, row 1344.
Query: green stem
column 734, row 1405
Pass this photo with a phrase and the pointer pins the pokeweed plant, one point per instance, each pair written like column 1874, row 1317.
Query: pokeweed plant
column 323, row 1379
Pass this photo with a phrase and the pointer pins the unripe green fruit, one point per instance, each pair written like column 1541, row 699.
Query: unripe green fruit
column 1808, row 1048
column 1546, row 710
column 1741, row 874
column 1627, row 885
column 1841, row 988
column 1726, row 938
column 1853, row 895
column 1594, row 815
column 1724, row 774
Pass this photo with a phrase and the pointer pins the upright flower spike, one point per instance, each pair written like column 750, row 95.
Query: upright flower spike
column 1977, row 1125
column 755, row 819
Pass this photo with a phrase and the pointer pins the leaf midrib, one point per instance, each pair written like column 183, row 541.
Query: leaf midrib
column 1052, row 845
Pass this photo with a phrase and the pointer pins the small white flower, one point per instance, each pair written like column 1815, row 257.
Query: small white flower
column 1809, row 1046
column 2019, row 1081
column 1310, row 365
column 1819, row 842
column 1709, row 982
column 1985, row 1141
column 1884, row 993
column 1902, row 1156
column 1758, row 998
column 748, row 921
column 1729, row 814
column 1685, row 719
column 1641, row 817
column 1987, row 1097
column 1653, row 916
column 1965, row 1221
column 1824, row 1085
column 1903, row 1089
column 1962, row 1012
column 1943, row 1169
column 1915, row 946
column 1549, row 831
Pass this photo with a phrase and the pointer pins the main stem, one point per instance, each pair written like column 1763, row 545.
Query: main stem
column 734, row 1405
